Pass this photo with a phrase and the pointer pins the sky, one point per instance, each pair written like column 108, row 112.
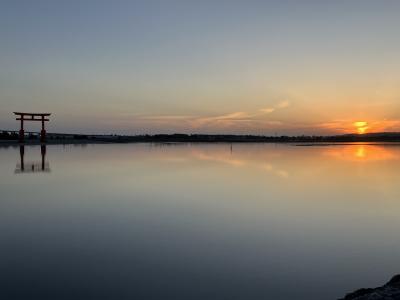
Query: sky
column 245, row 67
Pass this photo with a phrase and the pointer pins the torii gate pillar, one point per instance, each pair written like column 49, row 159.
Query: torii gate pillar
column 43, row 132
column 21, row 132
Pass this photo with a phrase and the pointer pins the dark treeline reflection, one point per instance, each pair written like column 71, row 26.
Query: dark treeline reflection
column 32, row 166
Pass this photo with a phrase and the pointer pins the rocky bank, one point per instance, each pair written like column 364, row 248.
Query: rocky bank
column 389, row 291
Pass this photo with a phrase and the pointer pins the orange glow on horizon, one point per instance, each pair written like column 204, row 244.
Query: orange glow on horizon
column 361, row 126
column 349, row 126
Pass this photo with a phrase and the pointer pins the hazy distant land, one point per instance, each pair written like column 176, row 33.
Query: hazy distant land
column 11, row 137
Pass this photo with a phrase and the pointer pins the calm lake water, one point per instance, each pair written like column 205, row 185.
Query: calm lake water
column 181, row 221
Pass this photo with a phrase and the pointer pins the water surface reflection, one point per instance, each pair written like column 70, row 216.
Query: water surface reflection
column 200, row 221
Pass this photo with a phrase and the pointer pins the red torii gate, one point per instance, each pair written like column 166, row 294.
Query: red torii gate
column 41, row 117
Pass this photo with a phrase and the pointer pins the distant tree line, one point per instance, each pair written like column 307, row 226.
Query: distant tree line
column 207, row 138
column 5, row 135
column 213, row 138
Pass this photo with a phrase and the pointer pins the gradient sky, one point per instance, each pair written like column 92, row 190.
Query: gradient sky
column 259, row 67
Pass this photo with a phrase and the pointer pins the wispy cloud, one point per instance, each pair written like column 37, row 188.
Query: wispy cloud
column 255, row 118
column 165, row 117
column 267, row 110
column 280, row 105
column 283, row 104
column 230, row 118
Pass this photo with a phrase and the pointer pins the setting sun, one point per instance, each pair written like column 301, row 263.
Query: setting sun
column 361, row 126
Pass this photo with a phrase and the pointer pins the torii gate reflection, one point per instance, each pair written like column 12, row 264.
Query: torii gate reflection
column 32, row 167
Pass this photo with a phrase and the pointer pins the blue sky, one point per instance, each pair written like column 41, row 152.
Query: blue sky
column 259, row 67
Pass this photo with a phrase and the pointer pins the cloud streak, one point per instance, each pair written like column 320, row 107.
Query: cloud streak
column 280, row 105
column 238, row 118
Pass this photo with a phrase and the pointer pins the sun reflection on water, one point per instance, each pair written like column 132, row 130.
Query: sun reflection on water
column 362, row 153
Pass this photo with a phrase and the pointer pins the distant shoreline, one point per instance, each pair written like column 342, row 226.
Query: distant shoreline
column 385, row 138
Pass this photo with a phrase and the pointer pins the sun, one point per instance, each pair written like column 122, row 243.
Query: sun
column 361, row 126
